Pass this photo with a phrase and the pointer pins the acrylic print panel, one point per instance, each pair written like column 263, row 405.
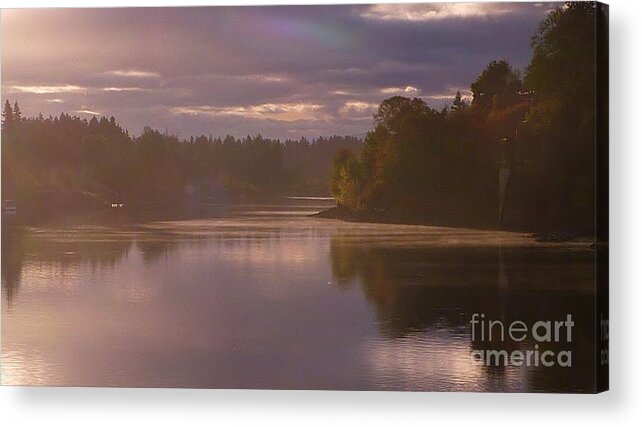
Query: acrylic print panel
column 346, row 197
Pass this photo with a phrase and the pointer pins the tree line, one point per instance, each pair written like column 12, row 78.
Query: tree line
column 442, row 166
column 54, row 166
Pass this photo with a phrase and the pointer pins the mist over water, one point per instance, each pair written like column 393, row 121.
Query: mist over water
column 267, row 297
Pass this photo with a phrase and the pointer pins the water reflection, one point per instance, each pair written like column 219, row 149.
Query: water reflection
column 12, row 256
column 279, row 300
column 58, row 249
column 426, row 296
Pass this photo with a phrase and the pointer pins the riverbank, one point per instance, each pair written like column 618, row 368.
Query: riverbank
column 579, row 234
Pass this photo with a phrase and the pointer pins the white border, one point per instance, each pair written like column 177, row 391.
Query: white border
column 622, row 405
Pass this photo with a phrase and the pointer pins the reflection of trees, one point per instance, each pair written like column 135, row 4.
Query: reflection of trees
column 151, row 250
column 96, row 248
column 416, row 288
column 12, row 256
column 18, row 245
column 413, row 288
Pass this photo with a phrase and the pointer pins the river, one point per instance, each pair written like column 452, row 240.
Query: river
column 268, row 297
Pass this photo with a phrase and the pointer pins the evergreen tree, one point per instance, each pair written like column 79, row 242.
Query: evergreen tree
column 458, row 103
column 7, row 116
column 17, row 115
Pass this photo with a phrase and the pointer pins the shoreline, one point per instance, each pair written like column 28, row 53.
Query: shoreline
column 550, row 235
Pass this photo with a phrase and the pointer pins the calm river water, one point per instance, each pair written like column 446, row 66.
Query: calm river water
column 267, row 297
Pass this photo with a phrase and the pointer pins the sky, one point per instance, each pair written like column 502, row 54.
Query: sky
column 284, row 71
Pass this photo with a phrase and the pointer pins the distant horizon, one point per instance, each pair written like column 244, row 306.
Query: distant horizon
column 183, row 137
column 283, row 72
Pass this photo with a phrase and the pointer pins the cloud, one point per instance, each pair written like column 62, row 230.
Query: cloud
column 286, row 112
column 435, row 11
column 306, row 70
column 92, row 113
column 466, row 94
column 134, row 73
column 47, row 89
column 408, row 90
column 268, row 78
column 123, row 89
column 342, row 93
column 359, row 109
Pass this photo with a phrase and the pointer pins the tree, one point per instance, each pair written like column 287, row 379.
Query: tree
column 17, row 115
column 563, row 62
column 562, row 73
column 492, row 83
column 458, row 103
column 394, row 112
column 346, row 179
column 7, row 116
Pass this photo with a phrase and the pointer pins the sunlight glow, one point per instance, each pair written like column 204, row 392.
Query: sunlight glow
column 287, row 112
column 48, row 89
column 400, row 90
column 133, row 73
column 123, row 89
column 93, row 113
column 466, row 95
column 435, row 11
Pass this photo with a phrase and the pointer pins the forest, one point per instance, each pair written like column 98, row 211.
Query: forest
column 56, row 166
column 432, row 166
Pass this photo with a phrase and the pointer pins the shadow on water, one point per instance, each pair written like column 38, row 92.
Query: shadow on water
column 419, row 290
